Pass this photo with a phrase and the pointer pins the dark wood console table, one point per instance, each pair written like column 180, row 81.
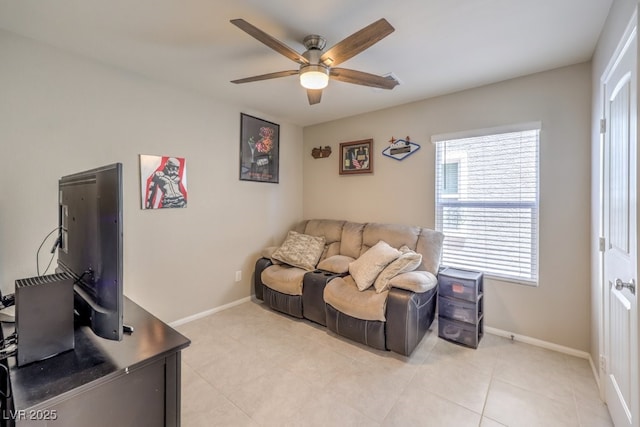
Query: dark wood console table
column 133, row 382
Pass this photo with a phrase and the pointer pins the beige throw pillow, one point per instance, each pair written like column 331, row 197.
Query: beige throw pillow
column 300, row 250
column 366, row 268
column 408, row 261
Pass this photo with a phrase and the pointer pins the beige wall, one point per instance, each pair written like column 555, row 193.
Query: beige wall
column 617, row 21
column 61, row 114
column 557, row 310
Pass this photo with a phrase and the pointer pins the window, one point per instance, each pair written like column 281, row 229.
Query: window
column 450, row 176
column 487, row 200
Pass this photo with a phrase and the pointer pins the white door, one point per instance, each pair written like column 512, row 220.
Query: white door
column 620, row 232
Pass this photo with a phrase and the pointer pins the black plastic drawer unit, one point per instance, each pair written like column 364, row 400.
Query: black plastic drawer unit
column 460, row 332
column 461, row 284
column 463, row 311
column 460, row 306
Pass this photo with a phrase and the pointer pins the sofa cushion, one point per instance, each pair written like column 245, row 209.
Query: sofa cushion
column 430, row 246
column 330, row 229
column 338, row 264
column 284, row 279
column 351, row 243
column 408, row 261
column 300, row 250
column 366, row 268
column 396, row 235
column 343, row 295
column 415, row 281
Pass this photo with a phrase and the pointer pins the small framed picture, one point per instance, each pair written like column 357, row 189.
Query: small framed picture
column 356, row 157
column 259, row 149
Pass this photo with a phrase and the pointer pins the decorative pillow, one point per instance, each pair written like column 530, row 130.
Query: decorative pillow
column 336, row 264
column 408, row 261
column 366, row 268
column 415, row 281
column 300, row 250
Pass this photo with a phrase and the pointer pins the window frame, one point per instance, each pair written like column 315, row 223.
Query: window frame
column 443, row 199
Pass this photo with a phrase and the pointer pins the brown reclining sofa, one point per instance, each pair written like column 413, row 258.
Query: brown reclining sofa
column 370, row 282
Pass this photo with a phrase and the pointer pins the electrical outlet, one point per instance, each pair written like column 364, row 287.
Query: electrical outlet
column 238, row 275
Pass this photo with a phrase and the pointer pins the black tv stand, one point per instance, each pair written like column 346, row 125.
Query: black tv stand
column 101, row 383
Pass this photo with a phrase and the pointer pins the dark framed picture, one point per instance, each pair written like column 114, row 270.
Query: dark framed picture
column 259, row 149
column 356, row 157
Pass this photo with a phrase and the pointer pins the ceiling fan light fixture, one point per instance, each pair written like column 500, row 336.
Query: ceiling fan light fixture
column 314, row 76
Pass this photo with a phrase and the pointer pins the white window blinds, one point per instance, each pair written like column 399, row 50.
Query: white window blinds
column 487, row 201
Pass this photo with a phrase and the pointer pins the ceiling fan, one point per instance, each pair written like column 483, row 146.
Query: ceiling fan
column 317, row 66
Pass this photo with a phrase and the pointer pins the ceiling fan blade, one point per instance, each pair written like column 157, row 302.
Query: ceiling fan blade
column 314, row 96
column 266, row 76
column 273, row 43
column 362, row 78
column 357, row 42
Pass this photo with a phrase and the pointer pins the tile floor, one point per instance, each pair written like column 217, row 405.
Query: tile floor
column 251, row 366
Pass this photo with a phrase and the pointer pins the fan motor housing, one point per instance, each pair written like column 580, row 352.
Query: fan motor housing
column 314, row 41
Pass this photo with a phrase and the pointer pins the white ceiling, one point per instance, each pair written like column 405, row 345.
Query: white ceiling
column 438, row 47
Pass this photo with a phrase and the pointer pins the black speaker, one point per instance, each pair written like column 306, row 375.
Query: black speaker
column 44, row 317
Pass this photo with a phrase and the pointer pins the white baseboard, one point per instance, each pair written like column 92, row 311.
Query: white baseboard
column 207, row 312
column 596, row 375
column 539, row 343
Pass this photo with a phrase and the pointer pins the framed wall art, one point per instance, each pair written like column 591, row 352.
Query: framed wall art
column 259, row 149
column 356, row 157
column 163, row 182
column 400, row 149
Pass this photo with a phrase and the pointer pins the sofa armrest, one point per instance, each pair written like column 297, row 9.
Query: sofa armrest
column 261, row 265
column 268, row 252
column 409, row 316
column 414, row 281
column 313, row 285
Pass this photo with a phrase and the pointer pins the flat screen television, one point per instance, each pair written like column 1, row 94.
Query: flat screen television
column 90, row 246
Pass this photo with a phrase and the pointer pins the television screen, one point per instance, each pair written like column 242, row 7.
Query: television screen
column 90, row 221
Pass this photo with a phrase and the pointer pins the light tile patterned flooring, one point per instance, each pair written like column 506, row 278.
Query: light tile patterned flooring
column 251, row 366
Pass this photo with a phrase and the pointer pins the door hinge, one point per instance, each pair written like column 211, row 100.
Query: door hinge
column 603, row 363
column 603, row 125
column 601, row 243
